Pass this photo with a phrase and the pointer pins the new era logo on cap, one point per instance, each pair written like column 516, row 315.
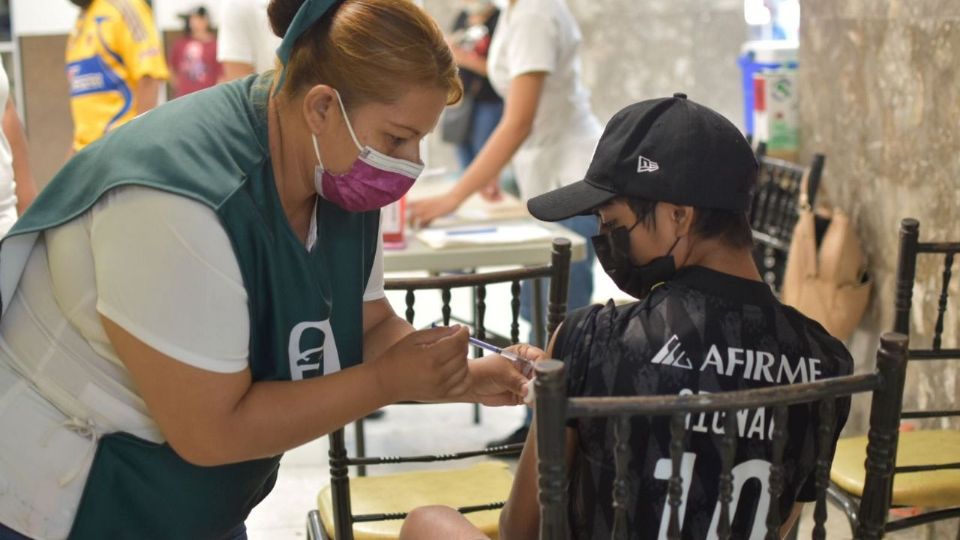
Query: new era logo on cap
column 646, row 165
column 672, row 355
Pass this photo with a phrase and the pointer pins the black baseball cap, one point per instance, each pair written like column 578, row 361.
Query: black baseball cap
column 667, row 150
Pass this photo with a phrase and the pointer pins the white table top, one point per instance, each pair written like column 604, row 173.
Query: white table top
column 417, row 256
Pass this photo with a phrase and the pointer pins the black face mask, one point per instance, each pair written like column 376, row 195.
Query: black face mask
column 613, row 252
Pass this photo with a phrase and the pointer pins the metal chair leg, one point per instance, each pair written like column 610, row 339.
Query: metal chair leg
column 315, row 529
column 846, row 503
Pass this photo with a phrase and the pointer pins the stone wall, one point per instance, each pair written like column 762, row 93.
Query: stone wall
column 879, row 87
column 639, row 49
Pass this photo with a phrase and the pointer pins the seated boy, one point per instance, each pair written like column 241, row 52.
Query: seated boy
column 672, row 182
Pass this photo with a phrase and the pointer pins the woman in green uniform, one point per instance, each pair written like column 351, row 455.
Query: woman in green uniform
column 202, row 289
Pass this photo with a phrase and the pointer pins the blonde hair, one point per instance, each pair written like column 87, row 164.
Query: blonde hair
column 369, row 50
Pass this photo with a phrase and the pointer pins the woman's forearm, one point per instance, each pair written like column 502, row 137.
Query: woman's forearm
column 213, row 418
column 515, row 126
column 276, row 416
column 523, row 99
column 493, row 157
column 473, row 62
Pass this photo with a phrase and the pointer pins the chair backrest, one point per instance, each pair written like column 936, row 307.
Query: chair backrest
column 774, row 210
column 557, row 271
column 910, row 251
column 554, row 408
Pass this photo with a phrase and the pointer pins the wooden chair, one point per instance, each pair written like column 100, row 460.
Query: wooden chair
column 554, row 408
column 382, row 502
column 773, row 213
column 927, row 460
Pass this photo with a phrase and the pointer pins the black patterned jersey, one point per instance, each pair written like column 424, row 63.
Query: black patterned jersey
column 701, row 332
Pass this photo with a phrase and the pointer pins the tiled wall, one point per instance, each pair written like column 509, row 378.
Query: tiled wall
column 49, row 126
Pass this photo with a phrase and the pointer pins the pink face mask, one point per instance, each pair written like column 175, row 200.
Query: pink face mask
column 373, row 181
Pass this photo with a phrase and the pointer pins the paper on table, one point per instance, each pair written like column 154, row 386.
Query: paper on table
column 478, row 210
column 482, row 235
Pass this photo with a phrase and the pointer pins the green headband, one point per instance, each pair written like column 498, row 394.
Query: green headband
column 309, row 13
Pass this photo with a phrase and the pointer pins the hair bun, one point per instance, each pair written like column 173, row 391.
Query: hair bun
column 281, row 14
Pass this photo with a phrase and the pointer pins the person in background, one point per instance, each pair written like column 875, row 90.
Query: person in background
column 470, row 43
column 115, row 66
column 672, row 182
column 17, row 190
column 194, row 55
column 245, row 42
column 548, row 130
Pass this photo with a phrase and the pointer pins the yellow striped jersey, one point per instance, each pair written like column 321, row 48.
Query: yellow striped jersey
column 112, row 47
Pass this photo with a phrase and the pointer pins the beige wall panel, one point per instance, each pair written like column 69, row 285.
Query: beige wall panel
column 49, row 126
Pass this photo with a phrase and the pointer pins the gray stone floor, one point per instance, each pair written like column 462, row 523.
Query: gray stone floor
column 439, row 428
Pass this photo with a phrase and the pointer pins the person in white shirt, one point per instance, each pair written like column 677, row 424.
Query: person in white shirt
column 245, row 42
column 16, row 182
column 548, row 129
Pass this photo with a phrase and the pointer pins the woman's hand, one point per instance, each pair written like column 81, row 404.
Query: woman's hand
column 424, row 211
column 496, row 380
column 491, row 192
column 428, row 365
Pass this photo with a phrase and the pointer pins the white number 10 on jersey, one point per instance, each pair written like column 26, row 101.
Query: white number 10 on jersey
column 753, row 469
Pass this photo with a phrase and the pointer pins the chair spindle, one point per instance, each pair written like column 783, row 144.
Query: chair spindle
column 774, row 520
column 551, row 405
column 559, row 287
column 515, row 312
column 827, row 419
column 343, row 519
column 675, row 485
column 479, row 315
column 410, row 299
column 445, row 308
column 763, row 200
column 773, row 205
column 769, row 266
column 906, row 271
column 728, row 451
column 942, row 305
column 792, row 181
column 882, row 447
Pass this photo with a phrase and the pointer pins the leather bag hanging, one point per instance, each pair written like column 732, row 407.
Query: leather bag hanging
column 826, row 278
